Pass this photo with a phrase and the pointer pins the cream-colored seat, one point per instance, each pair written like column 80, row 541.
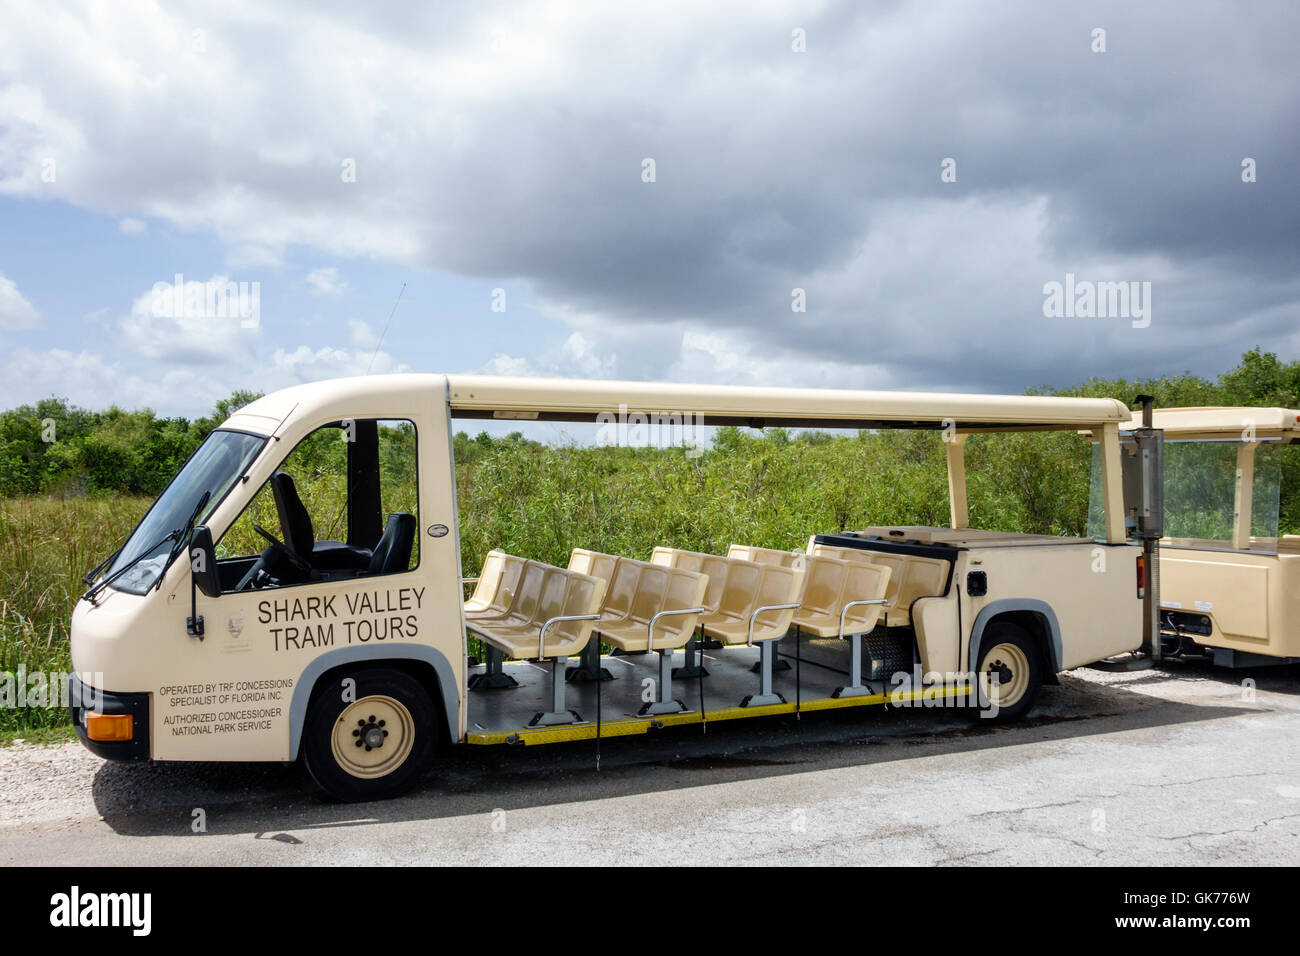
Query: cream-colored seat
column 678, row 558
column 647, row 598
column 758, row 603
column 737, row 601
column 716, row 568
column 562, row 593
column 844, row 554
column 897, row 565
column 551, row 619
column 503, row 597
column 911, row 576
column 712, row 565
column 509, row 579
column 517, row 594
column 660, row 590
column 833, row 584
column 661, row 616
column 489, row 578
column 621, row 592
column 786, row 559
column 540, row 596
column 921, row 577
column 823, row 588
column 595, row 563
column 843, row 599
column 603, row 566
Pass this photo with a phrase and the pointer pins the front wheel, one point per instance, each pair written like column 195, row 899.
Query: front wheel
column 369, row 734
column 1010, row 673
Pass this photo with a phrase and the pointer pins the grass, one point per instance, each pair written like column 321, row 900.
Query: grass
column 48, row 544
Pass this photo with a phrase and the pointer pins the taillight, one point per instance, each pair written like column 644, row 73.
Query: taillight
column 1142, row 575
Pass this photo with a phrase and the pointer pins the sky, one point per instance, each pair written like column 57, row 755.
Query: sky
column 873, row 195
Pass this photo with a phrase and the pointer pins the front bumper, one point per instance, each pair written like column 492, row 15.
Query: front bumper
column 82, row 698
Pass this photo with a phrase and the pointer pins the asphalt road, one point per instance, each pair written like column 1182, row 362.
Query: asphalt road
column 1176, row 766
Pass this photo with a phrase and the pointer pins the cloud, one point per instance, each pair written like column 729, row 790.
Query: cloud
column 577, row 357
column 326, row 282
column 16, row 313
column 92, row 381
column 507, row 141
column 362, row 336
column 131, row 227
column 189, row 321
column 254, row 256
column 305, row 364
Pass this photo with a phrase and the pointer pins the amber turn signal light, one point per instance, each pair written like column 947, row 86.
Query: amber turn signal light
column 109, row 726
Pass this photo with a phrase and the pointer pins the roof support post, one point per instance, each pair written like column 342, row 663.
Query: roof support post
column 958, row 507
column 1112, row 483
column 1243, row 495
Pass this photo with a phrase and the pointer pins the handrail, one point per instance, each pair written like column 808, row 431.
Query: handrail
column 541, row 634
column 766, row 607
column 650, row 628
column 846, row 607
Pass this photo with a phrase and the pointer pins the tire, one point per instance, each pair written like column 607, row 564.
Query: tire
column 374, row 747
column 1009, row 652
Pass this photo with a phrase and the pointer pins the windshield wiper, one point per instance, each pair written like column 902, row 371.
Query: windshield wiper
column 89, row 576
column 182, row 537
column 177, row 535
column 94, row 590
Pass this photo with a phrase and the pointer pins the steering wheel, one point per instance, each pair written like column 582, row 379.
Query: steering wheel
column 251, row 575
column 285, row 551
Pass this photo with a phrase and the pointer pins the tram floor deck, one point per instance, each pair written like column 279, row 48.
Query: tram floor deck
column 822, row 666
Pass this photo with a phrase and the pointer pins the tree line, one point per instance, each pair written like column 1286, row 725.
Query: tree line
column 54, row 448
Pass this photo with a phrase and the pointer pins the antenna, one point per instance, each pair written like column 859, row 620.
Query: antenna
column 382, row 335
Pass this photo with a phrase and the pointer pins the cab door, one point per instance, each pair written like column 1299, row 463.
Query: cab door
column 330, row 562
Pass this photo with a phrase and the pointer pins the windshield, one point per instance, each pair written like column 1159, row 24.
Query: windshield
column 1201, row 495
column 214, row 467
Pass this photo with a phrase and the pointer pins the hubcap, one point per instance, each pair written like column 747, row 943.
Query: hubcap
column 1004, row 678
column 373, row 737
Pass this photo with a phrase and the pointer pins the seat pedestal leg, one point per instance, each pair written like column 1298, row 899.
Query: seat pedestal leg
column 664, row 702
column 779, row 664
column 588, row 667
column 855, row 686
column 765, row 695
column 557, row 714
column 692, row 666
column 494, row 677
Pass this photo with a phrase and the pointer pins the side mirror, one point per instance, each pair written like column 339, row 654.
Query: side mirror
column 203, row 562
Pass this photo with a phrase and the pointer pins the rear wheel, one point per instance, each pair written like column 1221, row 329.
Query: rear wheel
column 1010, row 673
column 371, row 739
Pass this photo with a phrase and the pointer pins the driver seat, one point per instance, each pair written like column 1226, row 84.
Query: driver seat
column 295, row 522
column 393, row 552
column 300, row 537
